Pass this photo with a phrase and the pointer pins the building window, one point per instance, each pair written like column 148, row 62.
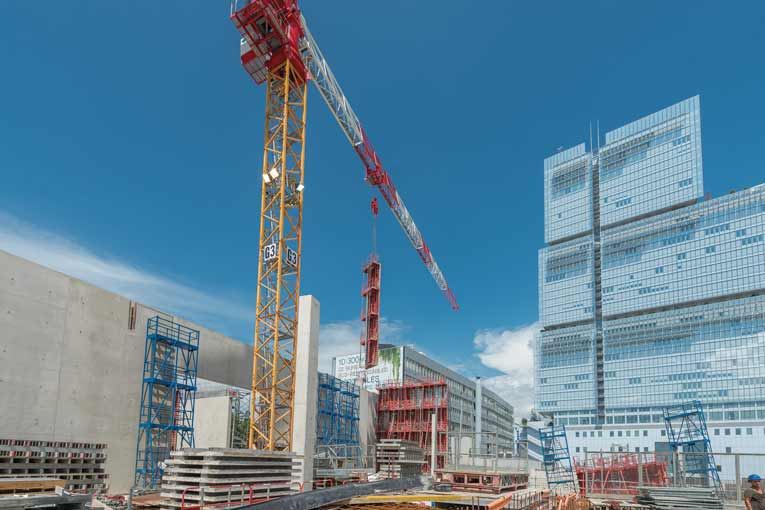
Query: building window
column 612, row 433
column 619, row 434
column 727, row 449
column 577, row 435
column 727, row 432
column 600, row 433
column 645, row 433
column 577, row 449
column 749, row 431
column 738, row 432
column 663, row 433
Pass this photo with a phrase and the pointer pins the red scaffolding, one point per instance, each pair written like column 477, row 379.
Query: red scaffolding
column 370, row 315
column 405, row 410
column 619, row 473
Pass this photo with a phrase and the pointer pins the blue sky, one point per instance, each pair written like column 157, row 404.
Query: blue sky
column 130, row 141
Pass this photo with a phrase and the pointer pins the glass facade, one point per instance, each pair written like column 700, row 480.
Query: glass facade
column 565, row 277
column 651, row 164
column 568, row 193
column 713, row 352
column 649, row 297
column 709, row 250
column 563, row 359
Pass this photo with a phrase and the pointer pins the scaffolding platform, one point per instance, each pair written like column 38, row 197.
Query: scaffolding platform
column 338, row 412
column 166, row 421
column 686, row 428
column 556, row 458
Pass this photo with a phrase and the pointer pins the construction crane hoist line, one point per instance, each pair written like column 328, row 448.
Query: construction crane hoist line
column 277, row 49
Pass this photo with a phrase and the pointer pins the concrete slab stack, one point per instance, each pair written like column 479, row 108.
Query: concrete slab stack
column 80, row 465
column 397, row 458
column 196, row 477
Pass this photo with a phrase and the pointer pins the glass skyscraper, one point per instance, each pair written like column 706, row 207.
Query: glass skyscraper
column 649, row 295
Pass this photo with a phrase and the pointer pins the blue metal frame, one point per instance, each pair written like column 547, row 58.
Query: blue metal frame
column 686, row 428
column 166, row 420
column 338, row 412
column 555, row 456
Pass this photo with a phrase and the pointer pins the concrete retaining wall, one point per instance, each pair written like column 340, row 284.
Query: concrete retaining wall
column 70, row 368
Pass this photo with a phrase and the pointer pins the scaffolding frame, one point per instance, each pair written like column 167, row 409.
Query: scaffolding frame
column 556, row 458
column 166, row 419
column 338, row 412
column 608, row 473
column 686, row 427
column 405, row 410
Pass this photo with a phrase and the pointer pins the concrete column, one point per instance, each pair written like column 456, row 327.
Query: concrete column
column 367, row 421
column 478, row 415
column 306, row 386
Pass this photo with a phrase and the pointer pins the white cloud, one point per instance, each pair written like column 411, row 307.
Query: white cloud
column 343, row 337
column 68, row 257
column 510, row 351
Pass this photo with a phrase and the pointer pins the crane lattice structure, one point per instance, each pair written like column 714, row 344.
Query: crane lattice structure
column 166, row 420
column 277, row 49
column 686, row 428
column 556, row 458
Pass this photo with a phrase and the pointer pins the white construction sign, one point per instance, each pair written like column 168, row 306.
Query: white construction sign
column 388, row 370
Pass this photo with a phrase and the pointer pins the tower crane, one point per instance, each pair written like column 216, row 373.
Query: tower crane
column 277, row 48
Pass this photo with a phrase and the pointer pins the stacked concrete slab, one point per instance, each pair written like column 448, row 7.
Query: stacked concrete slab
column 198, row 477
column 397, row 458
column 80, row 465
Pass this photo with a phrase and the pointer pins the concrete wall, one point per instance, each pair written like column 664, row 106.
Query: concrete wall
column 367, row 420
column 212, row 422
column 70, row 369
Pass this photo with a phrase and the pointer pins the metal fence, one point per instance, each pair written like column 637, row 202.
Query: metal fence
column 483, row 451
column 619, row 474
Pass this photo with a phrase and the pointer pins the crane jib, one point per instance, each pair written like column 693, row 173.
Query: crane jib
column 333, row 96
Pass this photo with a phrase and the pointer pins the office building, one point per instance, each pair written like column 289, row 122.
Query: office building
column 650, row 294
column 472, row 407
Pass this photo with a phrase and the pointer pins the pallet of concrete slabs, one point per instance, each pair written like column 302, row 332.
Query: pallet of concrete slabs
column 222, row 475
column 680, row 498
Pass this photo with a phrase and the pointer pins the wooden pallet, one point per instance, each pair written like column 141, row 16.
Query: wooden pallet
column 9, row 486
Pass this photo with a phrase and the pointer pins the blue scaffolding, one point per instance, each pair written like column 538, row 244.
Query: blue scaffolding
column 556, row 459
column 338, row 412
column 686, row 428
column 166, row 421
